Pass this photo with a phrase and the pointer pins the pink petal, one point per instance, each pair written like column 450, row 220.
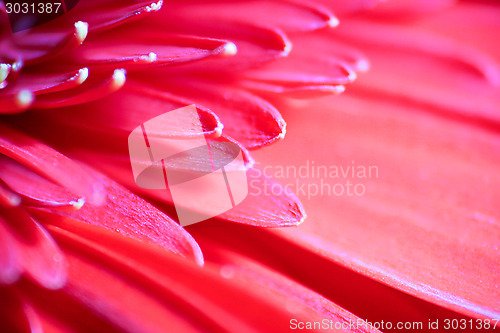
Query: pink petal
column 39, row 256
column 43, row 159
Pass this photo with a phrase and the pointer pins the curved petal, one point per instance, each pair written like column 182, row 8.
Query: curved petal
column 305, row 68
column 129, row 215
column 141, row 272
column 39, row 256
column 456, row 76
column 10, row 268
column 99, row 85
column 42, row 159
column 442, row 175
column 35, row 190
column 306, row 16
column 249, row 119
column 140, row 46
column 19, row 94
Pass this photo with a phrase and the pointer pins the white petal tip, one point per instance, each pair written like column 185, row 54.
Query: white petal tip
column 230, row 49
column 155, row 6
column 119, row 78
column 24, row 98
column 78, row 204
column 81, row 31
column 4, row 71
column 82, row 75
column 333, row 22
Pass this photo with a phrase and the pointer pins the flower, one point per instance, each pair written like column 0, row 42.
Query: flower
column 130, row 267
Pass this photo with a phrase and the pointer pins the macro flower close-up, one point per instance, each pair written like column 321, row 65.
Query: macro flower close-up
column 249, row 166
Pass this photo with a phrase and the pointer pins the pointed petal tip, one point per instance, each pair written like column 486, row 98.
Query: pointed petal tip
column 81, row 76
column 81, row 31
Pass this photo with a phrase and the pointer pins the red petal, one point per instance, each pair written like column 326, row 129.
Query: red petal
column 434, row 202
column 455, row 78
column 99, row 85
column 10, row 268
column 43, row 159
column 140, row 103
column 138, row 45
column 7, row 196
column 341, row 7
column 54, row 37
column 41, row 43
column 268, row 204
column 14, row 313
column 34, row 189
column 250, row 120
column 39, row 256
column 19, row 94
column 305, row 68
column 253, row 44
column 305, row 15
column 120, row 265
column 127, row 214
